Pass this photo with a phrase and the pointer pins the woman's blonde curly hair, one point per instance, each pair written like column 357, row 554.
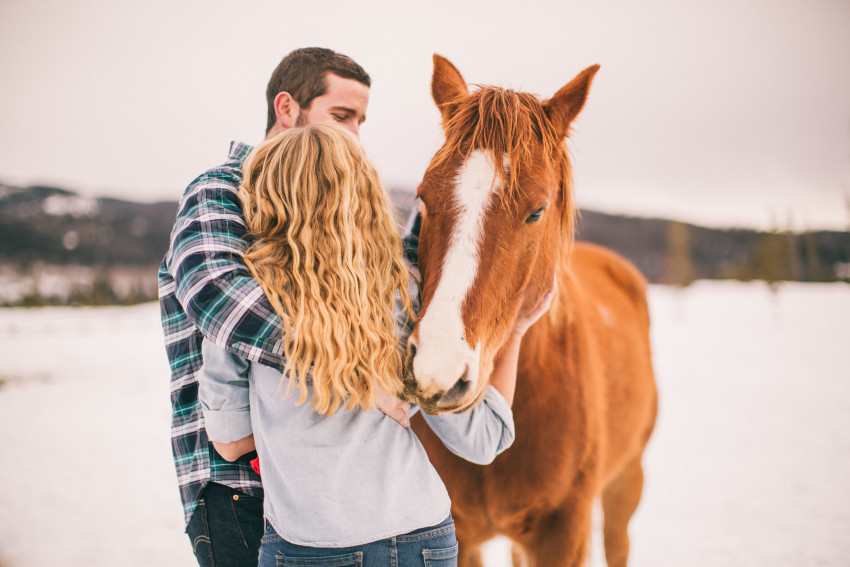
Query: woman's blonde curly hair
column 329, row 258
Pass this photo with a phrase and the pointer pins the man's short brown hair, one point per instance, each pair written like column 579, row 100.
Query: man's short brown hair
column 302, row 75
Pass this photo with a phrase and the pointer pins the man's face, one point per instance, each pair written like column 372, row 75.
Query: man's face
column 344, row 104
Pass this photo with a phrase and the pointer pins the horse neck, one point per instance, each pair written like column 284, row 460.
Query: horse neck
column 554, row 331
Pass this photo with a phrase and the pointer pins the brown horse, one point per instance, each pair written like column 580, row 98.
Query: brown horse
column 497, row 227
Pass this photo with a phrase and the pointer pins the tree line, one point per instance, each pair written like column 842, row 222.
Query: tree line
column 46, row 226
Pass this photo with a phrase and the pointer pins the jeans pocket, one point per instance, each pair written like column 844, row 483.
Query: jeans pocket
column 199, row 534
column 445, row 557
column 348, row 560
column 248, row 518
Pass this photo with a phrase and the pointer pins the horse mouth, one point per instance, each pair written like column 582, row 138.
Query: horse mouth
column 455, row 400
column 411, row 393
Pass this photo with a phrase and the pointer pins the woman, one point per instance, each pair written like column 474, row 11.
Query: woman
column 344, row 484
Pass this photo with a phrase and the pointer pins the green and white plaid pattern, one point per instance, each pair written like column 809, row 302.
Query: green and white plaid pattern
column 206, row 290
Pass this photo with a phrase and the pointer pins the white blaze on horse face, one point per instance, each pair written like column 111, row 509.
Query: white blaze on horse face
column 443, row 356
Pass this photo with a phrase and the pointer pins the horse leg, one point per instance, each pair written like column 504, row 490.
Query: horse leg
column 518, row 556
column 561, row 538
column 469, row 556
column 619, row 501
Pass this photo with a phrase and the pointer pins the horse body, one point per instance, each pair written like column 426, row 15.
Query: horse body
column 585, row 401
column 584, row 408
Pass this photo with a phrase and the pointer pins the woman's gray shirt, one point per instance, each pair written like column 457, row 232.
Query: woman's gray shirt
column 351, row 478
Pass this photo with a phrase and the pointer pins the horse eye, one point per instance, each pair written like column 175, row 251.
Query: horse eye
column 535, row 216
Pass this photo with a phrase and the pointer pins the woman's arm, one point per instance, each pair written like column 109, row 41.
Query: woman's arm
column 223, row 390
column 234, row 450
column 481, row 434
column 503, row 377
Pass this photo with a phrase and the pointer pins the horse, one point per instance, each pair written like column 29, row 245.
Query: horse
column 497, row 228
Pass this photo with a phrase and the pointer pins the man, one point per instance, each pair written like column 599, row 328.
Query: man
column 206, row 290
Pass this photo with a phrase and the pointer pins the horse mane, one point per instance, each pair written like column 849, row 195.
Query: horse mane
column 510, row 124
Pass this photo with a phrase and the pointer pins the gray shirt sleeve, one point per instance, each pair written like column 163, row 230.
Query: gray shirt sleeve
column 479, row 435
column 224, row 394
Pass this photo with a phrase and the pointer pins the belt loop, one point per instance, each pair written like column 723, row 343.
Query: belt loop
column 393, row 552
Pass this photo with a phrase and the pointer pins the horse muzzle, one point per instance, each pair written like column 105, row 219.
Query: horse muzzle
column 441, row 379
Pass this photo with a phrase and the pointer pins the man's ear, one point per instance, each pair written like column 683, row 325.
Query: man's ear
column 286, row 110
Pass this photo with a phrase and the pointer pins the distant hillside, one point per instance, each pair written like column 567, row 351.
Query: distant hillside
column 672, row 252
column 48, row 233
column 50, row 225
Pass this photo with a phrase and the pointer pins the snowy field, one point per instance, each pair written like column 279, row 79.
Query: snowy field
column 749, row 465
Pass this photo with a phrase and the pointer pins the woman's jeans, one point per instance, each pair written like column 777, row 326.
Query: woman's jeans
column 429, row 547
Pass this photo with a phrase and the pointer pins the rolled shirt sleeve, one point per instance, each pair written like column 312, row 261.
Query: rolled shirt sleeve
column 223, row 390
column 479, row 435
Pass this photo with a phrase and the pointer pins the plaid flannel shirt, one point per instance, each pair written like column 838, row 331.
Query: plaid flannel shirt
column 205, row 289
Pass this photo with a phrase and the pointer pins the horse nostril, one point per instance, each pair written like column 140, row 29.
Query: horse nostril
column 457, row 392
column 407, row 365
column 411, row 346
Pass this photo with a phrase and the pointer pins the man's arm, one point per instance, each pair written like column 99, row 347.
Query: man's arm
column 410, row 240
column 211, row 281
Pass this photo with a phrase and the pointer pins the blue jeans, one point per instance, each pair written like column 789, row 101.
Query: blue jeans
column 226, row 528
column 429, row 547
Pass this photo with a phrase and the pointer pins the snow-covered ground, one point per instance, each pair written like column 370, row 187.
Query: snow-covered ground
column 749, row 465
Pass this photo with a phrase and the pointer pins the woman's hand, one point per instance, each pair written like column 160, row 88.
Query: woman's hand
column 393, row 407
column 503, row 377
column 523, row 322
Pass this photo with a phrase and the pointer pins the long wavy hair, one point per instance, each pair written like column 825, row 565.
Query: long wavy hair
column 329, row 258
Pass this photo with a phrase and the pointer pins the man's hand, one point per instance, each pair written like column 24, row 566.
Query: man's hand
column 393, row 407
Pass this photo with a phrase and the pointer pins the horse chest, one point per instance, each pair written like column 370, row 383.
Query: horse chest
column 556, row 435
column 533, row 477
column 549, row 449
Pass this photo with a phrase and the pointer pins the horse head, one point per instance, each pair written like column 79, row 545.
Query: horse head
column 497, row 214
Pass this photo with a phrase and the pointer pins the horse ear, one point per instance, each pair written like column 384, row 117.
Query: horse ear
column 447, row 85
column 568, row 102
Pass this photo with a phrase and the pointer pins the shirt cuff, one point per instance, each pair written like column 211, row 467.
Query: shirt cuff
column 500, row 406
column 228, row 425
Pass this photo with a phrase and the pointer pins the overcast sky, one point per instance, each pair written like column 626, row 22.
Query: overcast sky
column 725, row 113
